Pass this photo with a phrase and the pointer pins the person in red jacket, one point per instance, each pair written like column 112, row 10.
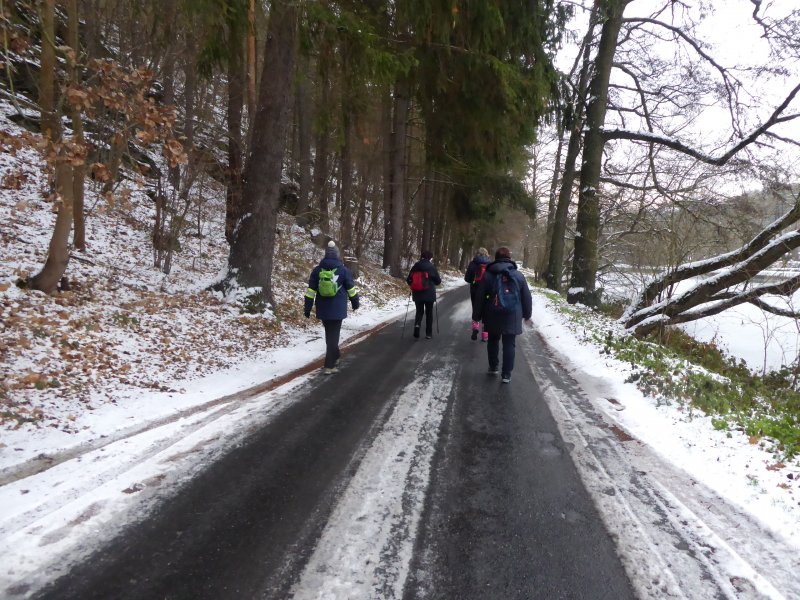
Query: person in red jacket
column 474, row 276
column 423, row 279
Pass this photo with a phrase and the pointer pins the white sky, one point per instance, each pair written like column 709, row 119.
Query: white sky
column 733, row 39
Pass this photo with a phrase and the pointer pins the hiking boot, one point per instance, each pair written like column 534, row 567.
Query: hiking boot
column 492, row 371
column 474, row 334
column 330, row 370
column 506, row 378
column 416, row 332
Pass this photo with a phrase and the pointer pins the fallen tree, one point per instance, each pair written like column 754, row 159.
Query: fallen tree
column 721, row 282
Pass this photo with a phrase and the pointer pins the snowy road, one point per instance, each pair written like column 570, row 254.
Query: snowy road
column 411, row 474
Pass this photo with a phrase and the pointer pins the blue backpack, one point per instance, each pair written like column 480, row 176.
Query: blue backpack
column 504, row 298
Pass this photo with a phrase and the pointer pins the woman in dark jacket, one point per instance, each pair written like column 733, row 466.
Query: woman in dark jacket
column 473, row 277
column 331, row 310
column 499, row 322
column 424, row 298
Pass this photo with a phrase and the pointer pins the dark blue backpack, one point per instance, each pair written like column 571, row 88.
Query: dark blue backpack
column 504, row 298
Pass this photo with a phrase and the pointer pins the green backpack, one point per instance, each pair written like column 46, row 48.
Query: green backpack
column 328, row 288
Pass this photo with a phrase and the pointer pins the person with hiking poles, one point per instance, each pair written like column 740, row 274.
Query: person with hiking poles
column 502, row 301
column 423, row 279
column 473, row 277
column 329, row 287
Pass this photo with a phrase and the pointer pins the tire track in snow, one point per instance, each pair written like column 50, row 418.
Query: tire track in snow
column 367, row 544
column 653, row 510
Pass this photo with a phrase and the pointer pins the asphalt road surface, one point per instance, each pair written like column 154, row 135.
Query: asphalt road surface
column 410, row 474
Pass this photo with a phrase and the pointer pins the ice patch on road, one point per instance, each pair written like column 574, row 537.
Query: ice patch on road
column 367, row 545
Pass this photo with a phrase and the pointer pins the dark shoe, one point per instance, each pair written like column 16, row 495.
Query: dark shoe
column 427, row 337
column 330, row 370
column 416, row 332
column 506, row 378
column 493, row 371
column 474, row 334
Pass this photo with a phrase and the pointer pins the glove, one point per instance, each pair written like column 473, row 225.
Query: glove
column 307, row 314
column 355, row 303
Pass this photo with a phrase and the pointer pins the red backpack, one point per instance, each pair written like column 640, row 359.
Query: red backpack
column 419, row 281
column 479, row 273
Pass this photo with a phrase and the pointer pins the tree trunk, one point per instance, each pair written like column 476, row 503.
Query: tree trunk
column 58, row 251
column 388, row 149
column 441, row 223
column 252, row 60
column 584, row 266
column 346, row 179
column 556, row 237
column 429, row 193
column 361, row 216
column 303, row 110
column 47, row 80
column 320, row 188
column 400, row 123
column 552, row 197
column 251, row 256
column 79, row 170
column 233, row 195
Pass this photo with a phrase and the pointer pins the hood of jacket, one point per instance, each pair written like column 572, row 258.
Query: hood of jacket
column 502, row 264
column 423, row 265
column 330, row 263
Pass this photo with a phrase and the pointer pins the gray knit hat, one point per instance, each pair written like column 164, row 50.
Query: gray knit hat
column 332, row 251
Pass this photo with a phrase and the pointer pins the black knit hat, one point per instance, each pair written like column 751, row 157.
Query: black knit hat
column 426, row 255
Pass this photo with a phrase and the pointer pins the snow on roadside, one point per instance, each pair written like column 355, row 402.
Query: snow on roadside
column 742, row 472
column 127, row 345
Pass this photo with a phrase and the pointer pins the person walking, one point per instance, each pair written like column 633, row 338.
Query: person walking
column 473, row 276
column 329, row 287
column 502, row 301
column 423, row 279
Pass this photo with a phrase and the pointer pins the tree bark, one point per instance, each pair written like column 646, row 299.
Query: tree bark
column 55, row 266
column 79, row 170
column 252, row 60
column 388, row 150
column 47, row 80
column 346, row 178
column 427, row 211
column 557, row 230
column 400, row 123
column 251, row 256
column 303, row 114
column 233, row 195
column 584, row 266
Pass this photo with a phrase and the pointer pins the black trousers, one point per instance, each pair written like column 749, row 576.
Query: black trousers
column 425, row 308
column 509, row 351
column 332, row 331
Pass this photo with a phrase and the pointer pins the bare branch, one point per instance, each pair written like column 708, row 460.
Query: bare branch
column 776, row 118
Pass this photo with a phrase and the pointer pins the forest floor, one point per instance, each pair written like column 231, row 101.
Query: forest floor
column 125, row 338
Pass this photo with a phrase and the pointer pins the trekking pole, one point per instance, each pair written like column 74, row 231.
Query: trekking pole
column 406, row 317
column 436, row 305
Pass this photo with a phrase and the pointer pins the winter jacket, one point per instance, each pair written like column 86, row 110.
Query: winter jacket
column 472, row 271
column 428, row 295
column 335, row 308
column 500, row 323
